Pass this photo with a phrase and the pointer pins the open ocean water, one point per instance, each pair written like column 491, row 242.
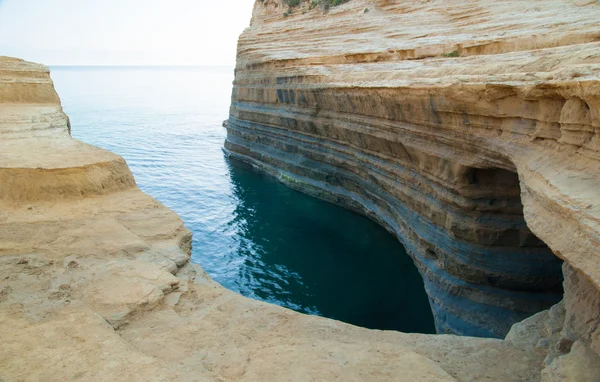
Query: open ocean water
column 251, row 234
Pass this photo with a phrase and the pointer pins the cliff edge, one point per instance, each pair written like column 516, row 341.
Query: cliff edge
column 470, row 130
column 96, row 284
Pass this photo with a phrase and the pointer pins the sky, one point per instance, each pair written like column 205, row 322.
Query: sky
column 123, row 32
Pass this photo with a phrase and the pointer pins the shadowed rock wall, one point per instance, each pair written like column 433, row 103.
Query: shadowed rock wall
column 465, row 128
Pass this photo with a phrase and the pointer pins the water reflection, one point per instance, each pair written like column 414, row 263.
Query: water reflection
column 318, row 258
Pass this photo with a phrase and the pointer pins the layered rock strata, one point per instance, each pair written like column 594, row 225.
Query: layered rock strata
column 471, row 130
column 95, row 283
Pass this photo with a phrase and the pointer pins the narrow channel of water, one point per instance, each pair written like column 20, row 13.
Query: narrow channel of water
column 251, row 234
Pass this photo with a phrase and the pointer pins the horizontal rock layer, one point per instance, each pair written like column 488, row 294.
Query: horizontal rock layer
column 468, row 129
column 95, row 282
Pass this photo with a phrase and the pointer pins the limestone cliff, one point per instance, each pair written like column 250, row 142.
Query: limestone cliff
column 469, row 129
column 95, row 283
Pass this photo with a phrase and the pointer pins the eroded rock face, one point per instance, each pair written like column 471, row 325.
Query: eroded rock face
column 471, row 130
column 95, row 283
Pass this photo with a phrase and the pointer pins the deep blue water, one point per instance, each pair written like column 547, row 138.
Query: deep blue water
column 251, row 234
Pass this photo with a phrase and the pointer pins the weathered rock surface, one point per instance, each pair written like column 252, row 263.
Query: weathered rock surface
column 471, row 130
column 95, row 282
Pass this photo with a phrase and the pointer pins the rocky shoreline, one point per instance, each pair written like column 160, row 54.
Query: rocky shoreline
column 95, row 278
column 96, row 283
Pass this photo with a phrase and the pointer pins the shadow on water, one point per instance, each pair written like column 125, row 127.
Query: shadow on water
column 318, row 258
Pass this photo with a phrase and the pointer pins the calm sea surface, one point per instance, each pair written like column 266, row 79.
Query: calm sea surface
column 251, row 234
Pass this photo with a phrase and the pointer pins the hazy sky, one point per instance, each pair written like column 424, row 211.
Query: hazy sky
column 123, row 32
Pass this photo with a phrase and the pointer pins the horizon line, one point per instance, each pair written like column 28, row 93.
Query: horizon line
column 138, row 65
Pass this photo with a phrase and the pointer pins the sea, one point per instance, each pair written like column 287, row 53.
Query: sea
column 251, row 233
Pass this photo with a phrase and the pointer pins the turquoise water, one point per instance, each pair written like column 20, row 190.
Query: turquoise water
column 251, row 234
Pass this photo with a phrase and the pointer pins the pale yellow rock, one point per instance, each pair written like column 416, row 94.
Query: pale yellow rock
column 409, row 102
column 88, row 289
column 580, row 365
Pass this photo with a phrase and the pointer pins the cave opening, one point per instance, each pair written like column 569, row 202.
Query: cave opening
column 502, row 190
column 515, row 270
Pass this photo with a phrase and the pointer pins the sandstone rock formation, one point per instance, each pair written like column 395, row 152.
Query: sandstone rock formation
column 469, row 129
column 95, row 283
